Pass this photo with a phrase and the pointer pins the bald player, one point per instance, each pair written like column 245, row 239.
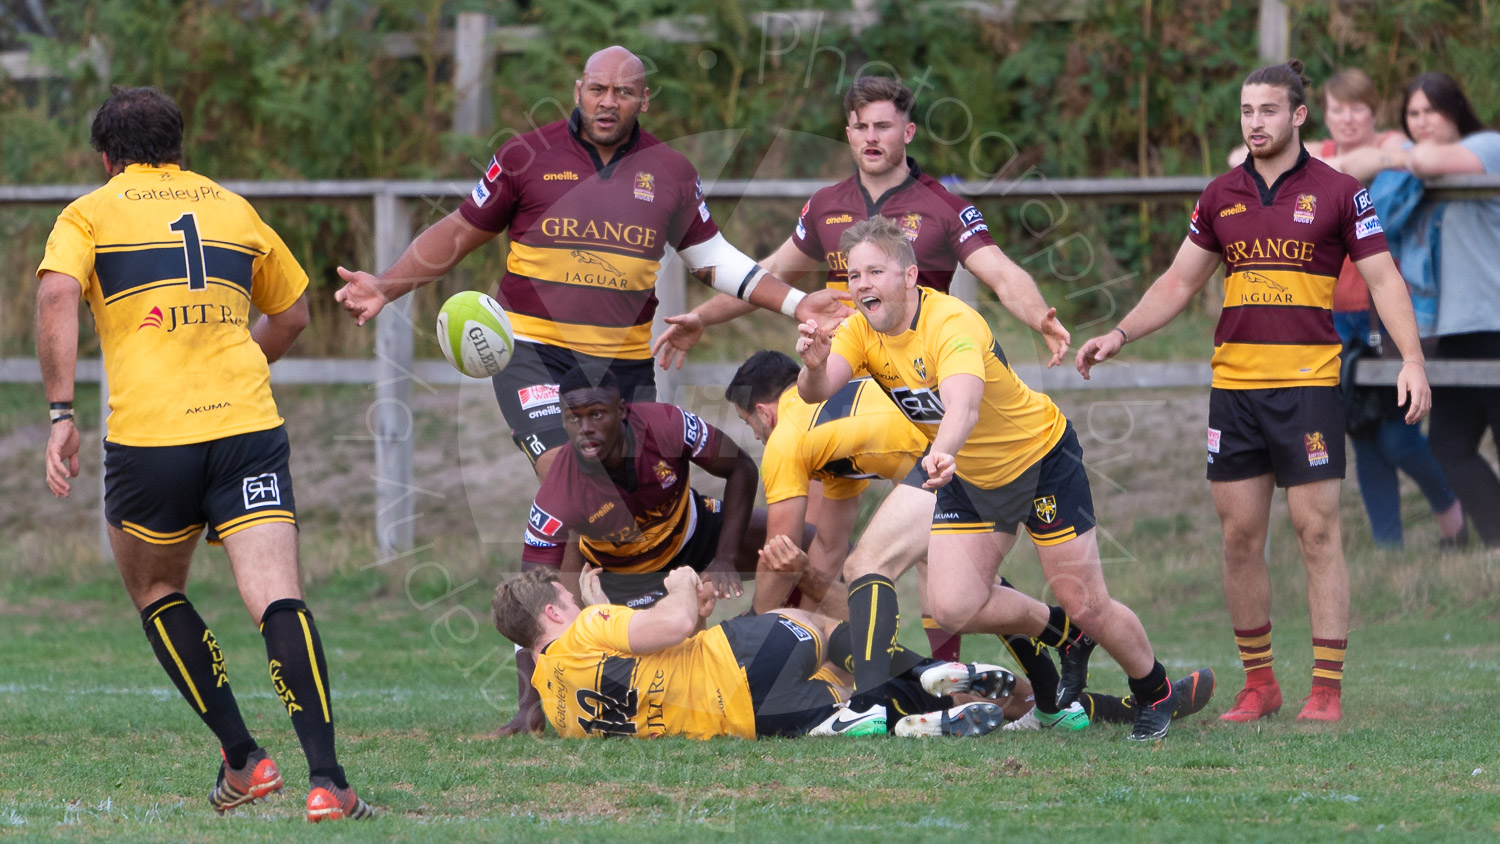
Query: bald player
column 591, row 204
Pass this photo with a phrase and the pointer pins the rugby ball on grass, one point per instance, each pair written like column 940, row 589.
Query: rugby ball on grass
column 474, row 334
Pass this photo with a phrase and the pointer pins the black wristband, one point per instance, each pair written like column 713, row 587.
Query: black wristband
column 60, row 405
column 1123, row 334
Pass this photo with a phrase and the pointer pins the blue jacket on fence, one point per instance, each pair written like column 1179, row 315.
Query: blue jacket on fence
column 1413, row 238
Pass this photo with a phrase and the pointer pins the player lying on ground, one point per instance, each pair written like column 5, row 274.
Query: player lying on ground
column 620, row 497
column 610, row 670
column 1000, row 454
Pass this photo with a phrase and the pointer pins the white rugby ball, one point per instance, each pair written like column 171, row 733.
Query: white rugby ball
column 474, row 334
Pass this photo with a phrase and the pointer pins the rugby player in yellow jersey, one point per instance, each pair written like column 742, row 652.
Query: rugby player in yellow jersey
column 843, row 443
column 1000, row 454
column 610, row 670
column 171, row 264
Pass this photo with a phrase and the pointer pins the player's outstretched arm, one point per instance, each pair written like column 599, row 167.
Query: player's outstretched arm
column 275, row 333
column 1164, row 300
column 741, row 477
column 1017, row 291
column 57, row 299
column 1393, row 304
column 672, row 619
column 430, row 256
column 961, row 393
column 776, row 574
column 685, row 330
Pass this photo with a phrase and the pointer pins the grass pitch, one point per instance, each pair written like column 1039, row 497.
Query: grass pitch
column 96, row 744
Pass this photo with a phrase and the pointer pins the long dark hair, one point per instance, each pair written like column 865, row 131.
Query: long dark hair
column 1447, row 99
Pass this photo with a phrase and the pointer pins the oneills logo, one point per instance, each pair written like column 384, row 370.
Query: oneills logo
column 1237, row 208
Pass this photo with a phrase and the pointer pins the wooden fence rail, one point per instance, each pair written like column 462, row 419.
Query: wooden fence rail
column 392, row 370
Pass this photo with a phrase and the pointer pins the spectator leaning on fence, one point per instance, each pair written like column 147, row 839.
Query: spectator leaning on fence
column 1447, row 140
column 1383, row 443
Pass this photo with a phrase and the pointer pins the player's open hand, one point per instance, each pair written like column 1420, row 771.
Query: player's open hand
column 360, row 295
column 1056, row 336
column 782, row 555
column 1098, row 350
column 813, row 344
column 683, row 333
column 1412, row 382
column 62, row 457
column 826, row 307
column 939, row 468
column 725, row 578
column 588, row 586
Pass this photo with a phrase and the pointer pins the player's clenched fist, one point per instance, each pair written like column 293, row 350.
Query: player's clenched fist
column 680, row 579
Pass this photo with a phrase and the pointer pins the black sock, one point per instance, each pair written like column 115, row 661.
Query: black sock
column 1038, row 667
column 1152, row 687
column 1059, row 629
column 300, row 677
column 1106, row 709
column 188, row 651
column 874, row 622
column 841, row 653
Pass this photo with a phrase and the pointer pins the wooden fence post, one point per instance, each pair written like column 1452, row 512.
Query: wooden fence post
column 1275, row 31
column 671, row 295
column 392, row 414
column 473, row 66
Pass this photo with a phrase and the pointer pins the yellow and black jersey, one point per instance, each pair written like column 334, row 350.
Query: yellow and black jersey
column 592, row 685
column 844, row 442
column 1017, row 426
column 170, row 264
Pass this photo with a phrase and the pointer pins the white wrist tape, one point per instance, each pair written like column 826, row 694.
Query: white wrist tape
column 734, row 272
column 793, row 298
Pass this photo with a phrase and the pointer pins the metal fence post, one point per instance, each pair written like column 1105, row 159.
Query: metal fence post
column 965, row 287
column 393, row 419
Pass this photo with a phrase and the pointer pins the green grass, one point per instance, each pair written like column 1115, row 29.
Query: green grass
column 95, row 743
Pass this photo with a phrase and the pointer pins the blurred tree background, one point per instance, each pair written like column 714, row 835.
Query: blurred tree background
column 276, row 89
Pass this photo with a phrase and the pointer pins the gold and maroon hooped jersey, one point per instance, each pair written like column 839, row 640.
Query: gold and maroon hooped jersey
column 634, row 528
column 1283, row 247
column 943, row 229
column 586, row 238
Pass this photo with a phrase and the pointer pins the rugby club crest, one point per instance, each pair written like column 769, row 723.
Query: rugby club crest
column 1317, row 448
column 910, row 224
column 1045, row 508
column 664, row 474
column 645, row 187
column 1307, row 208
column 920, row 364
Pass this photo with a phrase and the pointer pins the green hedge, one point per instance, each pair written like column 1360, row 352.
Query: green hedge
column 289, row 90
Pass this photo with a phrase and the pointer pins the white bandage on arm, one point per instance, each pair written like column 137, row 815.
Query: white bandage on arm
column 734, row 272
